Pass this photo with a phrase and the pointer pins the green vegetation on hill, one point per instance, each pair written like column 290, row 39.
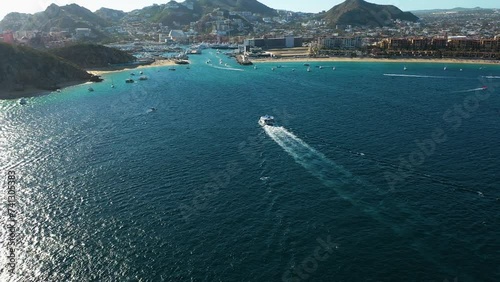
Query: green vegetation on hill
column 67, row 17
column 110, row 14
column 93, row 56
column 362, row 13
column 254, row 6
column 22, row 68
column 166, row 16
column 174, row 14
column 15, row 21
column 181, row 15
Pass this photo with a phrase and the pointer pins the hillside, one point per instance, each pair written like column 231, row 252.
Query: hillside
column 170, row 14
column 15, row 21
column 362, row 13
column 176, row 14
column 24, row 68
column 92, row 56
column 254, row 6
column 110, row 14
column 67, row 17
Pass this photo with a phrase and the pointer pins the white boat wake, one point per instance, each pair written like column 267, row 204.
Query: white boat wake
column 335, row 176
column 227, row 68
column 414, row 75
column 473, row 90
column 316, row 163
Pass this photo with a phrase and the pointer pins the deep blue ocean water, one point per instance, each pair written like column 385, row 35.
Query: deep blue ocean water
column 372, row 173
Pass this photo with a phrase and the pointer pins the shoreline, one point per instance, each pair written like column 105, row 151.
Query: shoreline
column 378, row 60
column 106, row 70
column 34, row 92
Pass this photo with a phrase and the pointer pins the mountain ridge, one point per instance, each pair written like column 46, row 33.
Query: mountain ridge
column 174, row 14
column 177, row 15
column 69, row 17
column 362, row 13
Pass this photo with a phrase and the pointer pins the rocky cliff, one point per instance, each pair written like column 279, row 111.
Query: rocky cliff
column 24, row 68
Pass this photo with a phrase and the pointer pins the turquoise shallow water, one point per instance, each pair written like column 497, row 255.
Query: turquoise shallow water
column 108, row 190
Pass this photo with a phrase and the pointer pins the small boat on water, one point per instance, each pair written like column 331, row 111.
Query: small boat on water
column 320, row 67
column 334, row 68
column 306, row 65
column 308, row 69
column 143, row 77
column 445, row 68
column 23, row 101
column 129, row 80
column 91, row 89
column 181, row 62
column 141, row 72
column 266, row 120
column 171, row 69
column 404, row 68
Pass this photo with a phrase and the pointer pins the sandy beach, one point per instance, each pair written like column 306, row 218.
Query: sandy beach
column 377, row 60
column 157, row 63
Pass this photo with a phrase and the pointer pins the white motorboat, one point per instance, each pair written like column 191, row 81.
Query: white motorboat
column 266, row 120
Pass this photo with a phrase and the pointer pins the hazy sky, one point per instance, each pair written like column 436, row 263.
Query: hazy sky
column 33, row 6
